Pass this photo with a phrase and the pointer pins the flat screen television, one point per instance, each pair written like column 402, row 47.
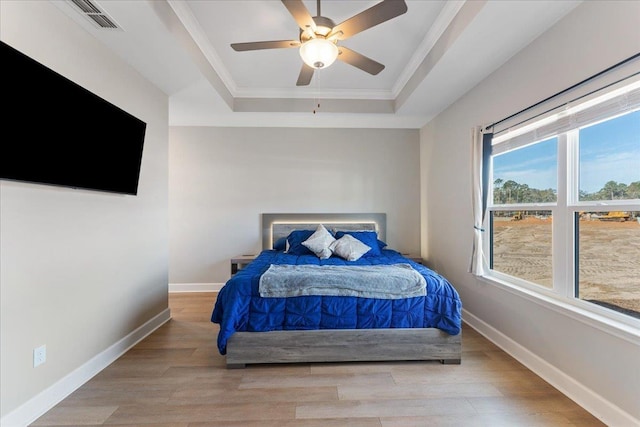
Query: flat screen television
column 58, row 133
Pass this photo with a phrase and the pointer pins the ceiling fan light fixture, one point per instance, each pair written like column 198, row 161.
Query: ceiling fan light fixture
column 319, row 52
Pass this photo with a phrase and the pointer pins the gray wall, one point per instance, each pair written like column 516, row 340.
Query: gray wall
column 593, row 360
column 80, row 270
column 222, row 179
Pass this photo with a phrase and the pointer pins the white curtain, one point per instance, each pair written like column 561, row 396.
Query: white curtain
column 481, row 152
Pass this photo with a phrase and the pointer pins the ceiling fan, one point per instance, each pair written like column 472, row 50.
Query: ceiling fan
column 319, row 36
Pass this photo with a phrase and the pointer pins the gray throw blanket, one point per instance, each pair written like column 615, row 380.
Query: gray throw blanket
column 367, row 281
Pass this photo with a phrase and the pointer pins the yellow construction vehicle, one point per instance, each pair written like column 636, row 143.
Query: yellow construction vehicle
column 517, row 217
column 615, row 216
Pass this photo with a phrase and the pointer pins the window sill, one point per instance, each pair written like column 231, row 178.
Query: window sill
column 629, row 329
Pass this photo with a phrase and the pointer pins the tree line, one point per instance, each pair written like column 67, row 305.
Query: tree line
column 509, row 192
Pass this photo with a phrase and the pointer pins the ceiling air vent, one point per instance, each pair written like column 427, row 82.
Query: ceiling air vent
column 98, row 17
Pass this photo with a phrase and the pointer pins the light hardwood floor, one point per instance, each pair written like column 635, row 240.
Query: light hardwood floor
column 176, row 377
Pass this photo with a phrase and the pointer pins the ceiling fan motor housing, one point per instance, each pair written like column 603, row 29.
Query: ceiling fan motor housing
column 324, row 26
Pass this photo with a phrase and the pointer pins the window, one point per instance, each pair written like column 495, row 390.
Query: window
column 610, row 149
column 608, row 256
column 564, row 207
column 527, row 175
column 521, row 245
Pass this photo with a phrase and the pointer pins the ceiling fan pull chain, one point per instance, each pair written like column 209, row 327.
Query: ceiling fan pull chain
column 316, row 100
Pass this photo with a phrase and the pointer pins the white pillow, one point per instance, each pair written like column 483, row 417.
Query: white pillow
column 349, row 248
column 319, row 242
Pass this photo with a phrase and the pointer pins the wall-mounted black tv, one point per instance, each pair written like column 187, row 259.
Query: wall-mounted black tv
column 56, row 132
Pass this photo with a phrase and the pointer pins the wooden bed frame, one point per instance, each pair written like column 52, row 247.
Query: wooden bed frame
column 337, row 345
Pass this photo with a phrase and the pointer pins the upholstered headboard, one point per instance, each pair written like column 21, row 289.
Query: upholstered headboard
column 277, row 225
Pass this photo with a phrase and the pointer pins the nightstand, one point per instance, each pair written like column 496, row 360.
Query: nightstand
column 240, row 260
column 414, row 258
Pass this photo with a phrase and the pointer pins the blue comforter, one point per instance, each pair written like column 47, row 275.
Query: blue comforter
column 239, row 307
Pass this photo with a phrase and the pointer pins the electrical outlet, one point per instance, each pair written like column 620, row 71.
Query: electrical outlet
column 39, row 355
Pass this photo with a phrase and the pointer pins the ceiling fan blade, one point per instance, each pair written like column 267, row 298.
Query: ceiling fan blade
column 306, row 73
column 359, row 61
column 299, row 11
column 276, row 44
column 381, row 12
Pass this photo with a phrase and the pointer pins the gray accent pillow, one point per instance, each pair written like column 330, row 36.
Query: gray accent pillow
column 349, row 248
column 319, row 242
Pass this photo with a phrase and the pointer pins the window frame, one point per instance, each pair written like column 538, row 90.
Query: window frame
column 564, row 231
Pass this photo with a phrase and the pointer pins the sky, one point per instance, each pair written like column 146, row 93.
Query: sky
column 609, row 151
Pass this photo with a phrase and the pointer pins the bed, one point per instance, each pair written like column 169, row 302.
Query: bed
column 320, row 325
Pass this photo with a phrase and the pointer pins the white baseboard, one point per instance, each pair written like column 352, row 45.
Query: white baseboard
column 591, row 401
column 48, row 398
column 195, row 287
